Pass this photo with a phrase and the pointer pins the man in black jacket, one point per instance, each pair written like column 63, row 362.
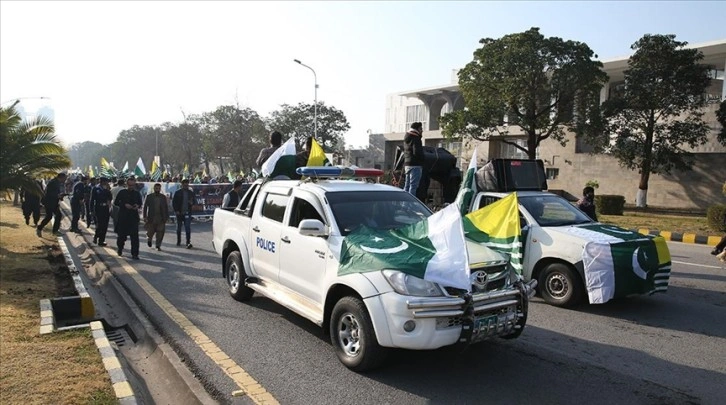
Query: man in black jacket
column 413, row 157
column 77, row 202
column 231, row 199
column 54, row 193
column 31, row 204
column 182, row 203
column 128, row 201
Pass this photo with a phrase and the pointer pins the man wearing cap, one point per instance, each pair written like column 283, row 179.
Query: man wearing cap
column 182, row 203
column 101, row 201
column 77, row 198
column 128, row 201
column 54, row 193
column 90, row 214
column 156, row 213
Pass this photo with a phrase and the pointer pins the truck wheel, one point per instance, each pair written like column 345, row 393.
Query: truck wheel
column 353, row 337
column 560, row 285
column 236, row 278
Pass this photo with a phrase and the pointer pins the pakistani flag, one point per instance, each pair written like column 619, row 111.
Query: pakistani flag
column 497, row 227
column 125, row 170
column 618, row 262
column 155, row 172
column 107, row 169
column 197, row 180
column 432, row 249
column 140, row 169
column 468, row 186
column 317, row 155
column 282, row 161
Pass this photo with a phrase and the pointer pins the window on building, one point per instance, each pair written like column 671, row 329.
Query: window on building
column 512, row 152
column 552, row 173
column 416, row 113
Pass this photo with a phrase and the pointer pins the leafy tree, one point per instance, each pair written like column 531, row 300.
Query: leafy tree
column 721, row 118
column 182, row 144
column 298, row 121
column 237, row 135
column 87, row 153
column 28, row 150
column 543, row 86
column 659, row 112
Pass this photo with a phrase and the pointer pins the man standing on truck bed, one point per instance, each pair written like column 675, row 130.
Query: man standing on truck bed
column 275, row 142
column 413, row 156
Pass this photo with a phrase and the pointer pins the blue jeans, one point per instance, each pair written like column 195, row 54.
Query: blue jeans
column 413, row 177
column 187, row 220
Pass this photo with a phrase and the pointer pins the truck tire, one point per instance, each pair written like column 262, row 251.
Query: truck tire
column 353, row 337
column 560, row 285
column 236, row 278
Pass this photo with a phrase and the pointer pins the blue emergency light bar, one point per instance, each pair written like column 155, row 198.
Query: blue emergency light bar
column 333, row 171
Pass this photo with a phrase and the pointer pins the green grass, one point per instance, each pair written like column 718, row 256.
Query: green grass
column 672, row 223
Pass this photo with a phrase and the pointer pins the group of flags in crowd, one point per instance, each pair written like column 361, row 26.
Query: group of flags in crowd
column 157, row 172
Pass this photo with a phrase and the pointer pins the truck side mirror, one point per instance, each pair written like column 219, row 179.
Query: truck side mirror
column 312, row 227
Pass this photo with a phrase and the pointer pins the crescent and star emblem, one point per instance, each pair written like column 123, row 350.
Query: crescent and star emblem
column 386, row 251
column 637, row 269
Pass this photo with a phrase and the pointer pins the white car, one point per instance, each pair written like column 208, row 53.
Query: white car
column 281, row 242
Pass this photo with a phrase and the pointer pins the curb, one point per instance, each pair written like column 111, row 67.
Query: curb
column 121, row 386
column 681, row 237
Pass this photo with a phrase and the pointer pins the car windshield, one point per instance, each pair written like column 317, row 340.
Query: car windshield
column 552, row 210
column 375, row 209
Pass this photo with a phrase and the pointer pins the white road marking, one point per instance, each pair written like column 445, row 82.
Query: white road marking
column 699, row 265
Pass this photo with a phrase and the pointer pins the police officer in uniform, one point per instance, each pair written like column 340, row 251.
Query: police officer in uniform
column 88, row 206
column 129, row 201
column 77, row 202
column 101, row 201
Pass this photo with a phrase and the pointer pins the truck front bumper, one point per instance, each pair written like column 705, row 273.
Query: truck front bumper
column 430, row 323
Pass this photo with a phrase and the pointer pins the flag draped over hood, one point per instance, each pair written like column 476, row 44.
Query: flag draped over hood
column 468, row 186
column 433, row 249
column 317, row 155
column 618, row 262
column 497, row 227
column 282, row 161
column 140, row 169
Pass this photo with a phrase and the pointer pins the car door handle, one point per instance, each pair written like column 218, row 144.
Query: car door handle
column 256, row 229
column 285, row 239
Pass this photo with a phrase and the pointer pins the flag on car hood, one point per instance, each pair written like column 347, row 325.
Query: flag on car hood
column 432, row 249
column 282, row 161
column 497, row 227
column 618, row 262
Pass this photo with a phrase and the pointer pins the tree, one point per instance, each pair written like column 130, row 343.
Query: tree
column 237, row 135
column 298, row 121
column 541, row 85
column 659, row 110
column 721, row 118
column 28, row 150
column 182, row 144
column 87, row 153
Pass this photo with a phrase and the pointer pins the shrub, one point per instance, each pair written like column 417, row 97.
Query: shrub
column 593, row 183
column 610, row 204
column 716, row 216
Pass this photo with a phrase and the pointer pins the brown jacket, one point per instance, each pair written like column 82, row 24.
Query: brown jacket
column 150, row 211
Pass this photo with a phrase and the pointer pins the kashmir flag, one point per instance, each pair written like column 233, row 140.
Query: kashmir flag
column 140, row 169
column 433, row 249
column 90, row 171
column 282, row 161
column 618, row 262
column 155, row 172
column 185, row 172
column 317, row 155
column 468, row 186
column 497, row 227
column 106, row 169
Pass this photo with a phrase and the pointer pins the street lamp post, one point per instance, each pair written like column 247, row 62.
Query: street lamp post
column 315, row 116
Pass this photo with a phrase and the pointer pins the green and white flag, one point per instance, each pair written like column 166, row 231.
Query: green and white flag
column 497, row 227
column 140, row 169
column 468, row 186
column 126, row 168
column 155, row 173
column 282, row 161
column 432, row 249
column 618, row 262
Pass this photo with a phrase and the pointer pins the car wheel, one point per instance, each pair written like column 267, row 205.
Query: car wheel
column 560, row 285
column 236, row 278
column 353, row 337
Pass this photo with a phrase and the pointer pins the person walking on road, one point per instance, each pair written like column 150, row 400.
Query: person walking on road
column 156, row 213
column 77, row 201
column 587, row 203
column 128, row 201
column 720, row 249
column 275, row 142
column 31, row 204
column 101, row 202
column 89, row 211
column 54, row 193
column 413, row 155
column 231, row 199
column 182, row 203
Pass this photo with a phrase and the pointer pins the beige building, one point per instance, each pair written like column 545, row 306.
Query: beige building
column 569, row 167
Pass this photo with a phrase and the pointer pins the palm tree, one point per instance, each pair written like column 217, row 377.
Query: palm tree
column 28, row 150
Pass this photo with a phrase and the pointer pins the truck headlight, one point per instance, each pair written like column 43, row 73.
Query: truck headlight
column 406, row 284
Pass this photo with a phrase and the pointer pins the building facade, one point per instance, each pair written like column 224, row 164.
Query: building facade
column 569, row 167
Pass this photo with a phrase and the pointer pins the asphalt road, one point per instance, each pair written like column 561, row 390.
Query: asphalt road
column 662, row 349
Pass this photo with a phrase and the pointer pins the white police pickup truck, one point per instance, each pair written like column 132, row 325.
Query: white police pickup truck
column 570, row 255
column 283, row 242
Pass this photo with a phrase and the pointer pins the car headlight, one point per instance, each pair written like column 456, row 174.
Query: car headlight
column 407, row 284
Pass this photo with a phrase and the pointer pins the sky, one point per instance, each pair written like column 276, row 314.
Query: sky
column 106, row 66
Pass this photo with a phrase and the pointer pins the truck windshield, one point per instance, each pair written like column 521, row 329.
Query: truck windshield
column 552, row 210
column 375, row 209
